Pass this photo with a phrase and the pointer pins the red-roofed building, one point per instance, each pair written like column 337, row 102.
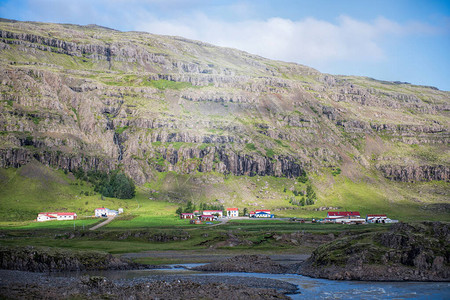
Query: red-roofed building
column 207, row 218
column 232, row 212
column 343, row 215
column 186, row 216
column 59, row 216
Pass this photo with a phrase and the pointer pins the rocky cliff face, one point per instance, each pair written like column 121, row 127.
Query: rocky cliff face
column 93, row 98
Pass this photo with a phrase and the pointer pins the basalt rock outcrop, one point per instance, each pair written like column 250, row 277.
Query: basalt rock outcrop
column 95, row 98
column 418, row 252
column 416, row 173
column 44, row 259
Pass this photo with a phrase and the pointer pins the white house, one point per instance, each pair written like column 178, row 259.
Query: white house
column 232, row 212
column 105, row 212
column 213, row 212
column 59, row 216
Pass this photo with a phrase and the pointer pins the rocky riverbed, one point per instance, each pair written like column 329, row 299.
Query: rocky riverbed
column 28, row 285
column 248, row 264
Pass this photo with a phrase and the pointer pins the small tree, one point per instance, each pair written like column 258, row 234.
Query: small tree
column 245, row 211
column 302, row 201
column 179, row 210
column 310, row 195
column 303, row 178
column 189, row 207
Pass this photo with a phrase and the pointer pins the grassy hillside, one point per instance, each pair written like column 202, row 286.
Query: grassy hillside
column 35, row 188
column 190, row 121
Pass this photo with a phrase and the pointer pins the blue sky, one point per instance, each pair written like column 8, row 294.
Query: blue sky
column 402, row 40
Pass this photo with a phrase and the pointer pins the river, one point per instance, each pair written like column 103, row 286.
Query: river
column 309, row 288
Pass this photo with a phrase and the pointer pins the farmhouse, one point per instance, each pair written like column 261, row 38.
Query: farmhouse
column 213, row 212
column 105, row 212
column 232, row 212
column 59, row 216
column 186, row 216
column 207, row 218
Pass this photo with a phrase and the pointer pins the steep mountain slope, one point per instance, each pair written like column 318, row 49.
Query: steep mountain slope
column 95, row 98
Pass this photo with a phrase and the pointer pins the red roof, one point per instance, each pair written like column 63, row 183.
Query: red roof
column 100, row 208
column 50, row 216
column 58, row 213
column 230, row 209
column 343, row 213
column 262, row 210
column 376, row 215
column 252, row 212
column 206, row 216
column 187, row 213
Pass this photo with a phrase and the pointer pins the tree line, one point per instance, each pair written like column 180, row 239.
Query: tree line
column 114, row 184
column 191, row 207
column 306, row 198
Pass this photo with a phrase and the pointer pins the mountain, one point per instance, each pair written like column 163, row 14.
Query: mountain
column 189, row 120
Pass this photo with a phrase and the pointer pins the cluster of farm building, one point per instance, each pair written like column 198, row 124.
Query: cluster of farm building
column 63, row 216
column 212, row 215
column 343, row 217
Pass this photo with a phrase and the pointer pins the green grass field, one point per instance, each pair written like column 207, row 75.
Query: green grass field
column 35, row 188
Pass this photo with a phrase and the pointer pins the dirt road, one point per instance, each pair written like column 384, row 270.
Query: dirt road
column 103, row 223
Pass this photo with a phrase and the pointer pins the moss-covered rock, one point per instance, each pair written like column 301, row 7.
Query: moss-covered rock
column 44, row 259
column 418, row 252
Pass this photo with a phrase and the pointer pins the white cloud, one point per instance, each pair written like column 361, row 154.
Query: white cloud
column 309, row 41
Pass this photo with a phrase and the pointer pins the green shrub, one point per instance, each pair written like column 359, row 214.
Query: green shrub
column 336, row 171
column 250, row 146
